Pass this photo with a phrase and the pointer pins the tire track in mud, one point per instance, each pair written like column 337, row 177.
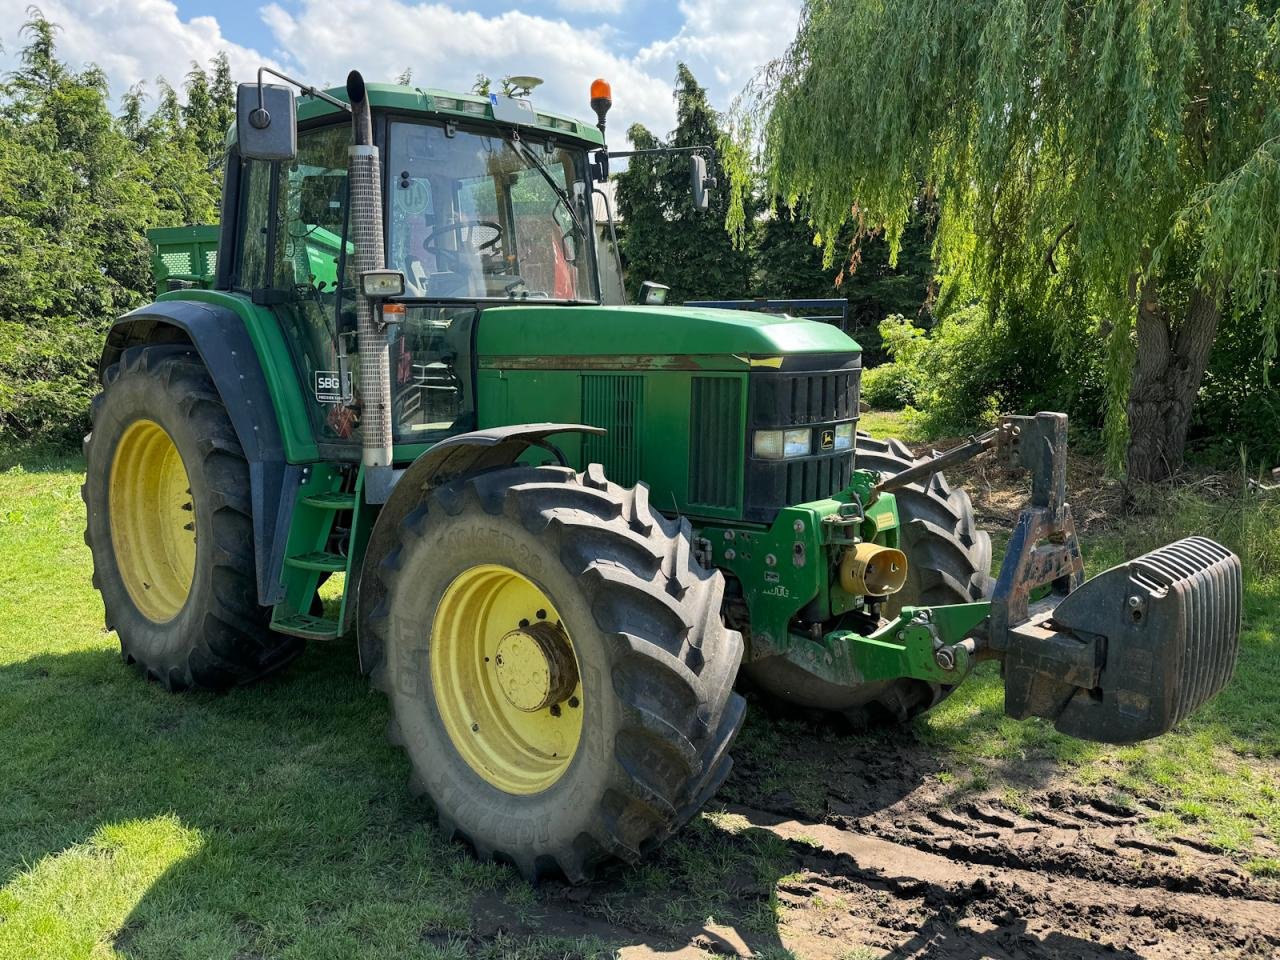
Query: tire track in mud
column 1075, row 878
column 894, row 860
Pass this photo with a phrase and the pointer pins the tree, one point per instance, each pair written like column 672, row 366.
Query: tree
column 78, row 189
column 664, row 238
column 1119, row 157
column 788, row 263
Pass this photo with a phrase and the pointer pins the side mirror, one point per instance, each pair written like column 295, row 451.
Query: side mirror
column 700, row 182
column 266, row 122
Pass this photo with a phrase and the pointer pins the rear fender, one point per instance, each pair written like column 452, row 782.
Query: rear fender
column 458, row 456
column 218, row 335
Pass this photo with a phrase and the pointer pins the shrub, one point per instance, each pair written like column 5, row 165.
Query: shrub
column 888, row 387
column 971, row 367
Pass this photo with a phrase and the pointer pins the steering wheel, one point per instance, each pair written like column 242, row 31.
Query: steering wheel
column 451, row 258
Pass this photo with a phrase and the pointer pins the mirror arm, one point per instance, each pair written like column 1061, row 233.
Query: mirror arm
column 307, row 91
column 664, row 151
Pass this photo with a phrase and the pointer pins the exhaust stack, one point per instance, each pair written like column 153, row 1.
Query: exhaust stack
column 364, row 171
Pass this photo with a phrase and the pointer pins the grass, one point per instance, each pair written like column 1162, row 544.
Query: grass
column 274, row 821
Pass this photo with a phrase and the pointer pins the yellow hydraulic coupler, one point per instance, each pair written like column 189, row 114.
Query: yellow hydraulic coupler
column 868, row 569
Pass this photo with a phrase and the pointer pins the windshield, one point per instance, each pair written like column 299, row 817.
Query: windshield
column 474, row 216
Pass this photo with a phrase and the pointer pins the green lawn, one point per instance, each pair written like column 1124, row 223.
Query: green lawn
column 274, row 821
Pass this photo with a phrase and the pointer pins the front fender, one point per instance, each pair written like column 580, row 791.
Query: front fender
column 457, row 456
column 219, row 336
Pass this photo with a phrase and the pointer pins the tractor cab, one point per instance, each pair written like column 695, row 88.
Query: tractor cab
column 475, row 213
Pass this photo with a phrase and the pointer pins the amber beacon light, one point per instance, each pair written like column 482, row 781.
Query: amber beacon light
column 601, row 100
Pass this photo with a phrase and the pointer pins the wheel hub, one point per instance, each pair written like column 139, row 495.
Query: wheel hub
column 153, row 520
column 505, row 677
column 535, row 666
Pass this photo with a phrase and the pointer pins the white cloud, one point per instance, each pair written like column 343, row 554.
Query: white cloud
column 723, row 41
column 130, row 40
column 447, row 48
column 590, row 6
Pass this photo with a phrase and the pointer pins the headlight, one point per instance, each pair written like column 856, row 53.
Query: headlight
column 844, row 436
column 779, row 444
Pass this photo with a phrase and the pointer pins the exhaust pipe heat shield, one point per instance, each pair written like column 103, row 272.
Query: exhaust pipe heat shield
column 1133, row 651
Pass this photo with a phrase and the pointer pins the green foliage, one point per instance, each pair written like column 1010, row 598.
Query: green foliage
column 969, row 368
column 78, row 189
column 889, row 386
column 1081, row 154
column 1238, row 411
column 789, row 264
column 663, row 237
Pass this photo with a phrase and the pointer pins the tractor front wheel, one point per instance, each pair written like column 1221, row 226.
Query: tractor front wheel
column 170, row 526
column 558, row 670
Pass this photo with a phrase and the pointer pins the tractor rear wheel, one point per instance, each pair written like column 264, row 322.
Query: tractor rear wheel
column 170, row 526
column 948, row 561
column 559, row 674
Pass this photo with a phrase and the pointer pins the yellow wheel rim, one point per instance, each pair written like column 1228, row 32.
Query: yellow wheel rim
column 506, row 679
column 152, row 518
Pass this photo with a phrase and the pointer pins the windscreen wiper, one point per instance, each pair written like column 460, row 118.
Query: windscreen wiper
column 519, row 146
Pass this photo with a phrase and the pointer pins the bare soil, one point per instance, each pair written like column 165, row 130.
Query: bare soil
column 898, row 866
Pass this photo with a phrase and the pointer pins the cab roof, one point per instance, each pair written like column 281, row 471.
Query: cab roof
column 446, row 104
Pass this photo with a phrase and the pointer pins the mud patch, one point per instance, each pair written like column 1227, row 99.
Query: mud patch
column 885, row 861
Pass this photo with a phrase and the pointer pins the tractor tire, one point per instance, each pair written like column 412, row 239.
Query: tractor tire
column 609, row 723
column 170, row 527
column 948, row 561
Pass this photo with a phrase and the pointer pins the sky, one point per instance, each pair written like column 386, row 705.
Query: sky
column 633, row 45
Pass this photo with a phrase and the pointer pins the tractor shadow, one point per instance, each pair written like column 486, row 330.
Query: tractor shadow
column 303, row 836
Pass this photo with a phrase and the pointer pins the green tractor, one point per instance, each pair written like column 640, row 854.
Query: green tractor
column 563, row 528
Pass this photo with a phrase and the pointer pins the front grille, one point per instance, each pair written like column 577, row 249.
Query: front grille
column 787, row 399
column 715, row 441
column 820, row 394
column 816, row 478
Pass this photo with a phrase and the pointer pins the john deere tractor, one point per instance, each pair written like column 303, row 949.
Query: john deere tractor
column 560, row 529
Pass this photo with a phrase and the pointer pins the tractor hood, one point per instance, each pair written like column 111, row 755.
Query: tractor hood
column 559, row 337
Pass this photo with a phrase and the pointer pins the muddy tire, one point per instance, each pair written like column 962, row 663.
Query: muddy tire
column 623, row 610
column 170, row 527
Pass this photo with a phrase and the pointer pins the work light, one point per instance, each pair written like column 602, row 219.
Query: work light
column 781, row 444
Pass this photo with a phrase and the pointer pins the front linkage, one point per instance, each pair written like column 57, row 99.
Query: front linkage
column 1117, row 659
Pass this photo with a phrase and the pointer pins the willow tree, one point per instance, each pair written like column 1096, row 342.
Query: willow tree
column 1118, row 154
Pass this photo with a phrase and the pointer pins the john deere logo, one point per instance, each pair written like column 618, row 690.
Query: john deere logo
column 828, row 439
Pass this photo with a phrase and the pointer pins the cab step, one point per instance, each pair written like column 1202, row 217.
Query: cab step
column 307, row 626
column 331, row 501
column 318, row 560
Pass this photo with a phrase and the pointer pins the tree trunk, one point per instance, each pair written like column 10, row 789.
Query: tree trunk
column 1172, row 355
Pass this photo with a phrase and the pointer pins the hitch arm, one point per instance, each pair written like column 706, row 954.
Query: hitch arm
column 941, row 461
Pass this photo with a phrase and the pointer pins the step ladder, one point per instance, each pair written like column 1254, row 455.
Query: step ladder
column 321, row 508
